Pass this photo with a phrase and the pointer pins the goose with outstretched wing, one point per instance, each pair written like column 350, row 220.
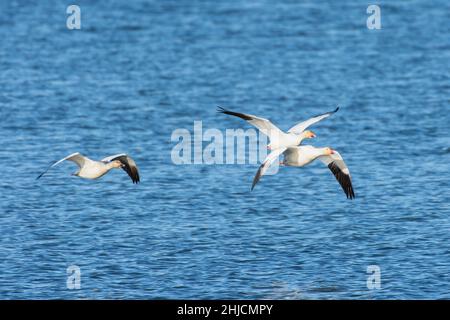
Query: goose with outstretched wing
column 279, row 139
column 92, row 169
column 303, row 155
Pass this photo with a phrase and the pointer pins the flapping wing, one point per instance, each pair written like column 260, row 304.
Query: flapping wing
column 264, row 125
column 266, row 164
column 340, row 170
column 129, row 165
column 76, row 157
column 300, row 127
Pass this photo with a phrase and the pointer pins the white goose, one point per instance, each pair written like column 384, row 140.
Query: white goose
column 91, row 169
column 279, row 139
column 303, row 155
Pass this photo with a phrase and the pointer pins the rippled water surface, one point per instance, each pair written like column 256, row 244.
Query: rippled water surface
column 138, row 70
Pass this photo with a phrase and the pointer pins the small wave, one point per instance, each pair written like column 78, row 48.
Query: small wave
column 324, row 289
column 130, row 28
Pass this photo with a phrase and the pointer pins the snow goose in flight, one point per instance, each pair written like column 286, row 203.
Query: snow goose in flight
column 91, row 169
column 279, row 139
column 303, row 155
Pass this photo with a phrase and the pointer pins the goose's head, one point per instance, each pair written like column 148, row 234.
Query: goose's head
column 328, row 151
column 309, row 134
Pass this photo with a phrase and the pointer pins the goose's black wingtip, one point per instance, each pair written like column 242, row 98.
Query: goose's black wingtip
column 136, row 179
column 336, row 110
column 255, row 182
column 220, row 109
column 350, row 193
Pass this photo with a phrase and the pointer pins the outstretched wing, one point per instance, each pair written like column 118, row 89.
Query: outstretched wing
column 129, row 165
column 300, row 127
column 340, row 170
column 266, row 164
column 264, row 125
column 76, row 157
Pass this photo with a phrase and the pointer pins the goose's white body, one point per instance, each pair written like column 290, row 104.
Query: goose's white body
column 279, row 139
column 301, row 156
column 93, row 169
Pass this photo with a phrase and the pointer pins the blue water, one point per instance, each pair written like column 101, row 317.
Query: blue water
column 138, row 70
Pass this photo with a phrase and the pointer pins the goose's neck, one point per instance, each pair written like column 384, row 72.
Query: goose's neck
column 109, row 165
column 314, row 152
column 323, row 151
column 302, row 136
